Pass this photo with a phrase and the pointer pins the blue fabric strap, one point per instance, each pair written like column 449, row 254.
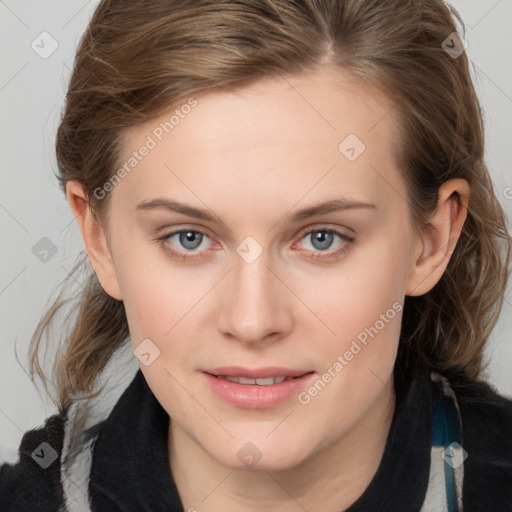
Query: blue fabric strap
column 444, row 492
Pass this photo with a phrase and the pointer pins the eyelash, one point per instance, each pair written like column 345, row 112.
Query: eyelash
column 315, row 255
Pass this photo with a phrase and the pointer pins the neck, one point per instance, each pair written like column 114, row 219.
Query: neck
column 334, row 476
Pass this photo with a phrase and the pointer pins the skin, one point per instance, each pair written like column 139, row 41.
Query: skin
column 254, row 157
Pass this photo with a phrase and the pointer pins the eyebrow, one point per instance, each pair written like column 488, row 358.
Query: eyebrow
column 198, row 213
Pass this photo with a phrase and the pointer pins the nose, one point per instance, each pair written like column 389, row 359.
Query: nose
column 256, row 306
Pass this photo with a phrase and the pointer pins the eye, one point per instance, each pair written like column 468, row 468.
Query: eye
column 188, row 239
column 320, row 240
column 190, row 243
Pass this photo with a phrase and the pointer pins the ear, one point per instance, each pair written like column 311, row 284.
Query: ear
column 439, row 237
column 95, row 239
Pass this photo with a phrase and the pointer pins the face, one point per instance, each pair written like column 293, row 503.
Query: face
column 264, row 234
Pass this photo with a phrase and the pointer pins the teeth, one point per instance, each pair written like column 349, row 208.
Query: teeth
column 266, row 381
column 243, row 380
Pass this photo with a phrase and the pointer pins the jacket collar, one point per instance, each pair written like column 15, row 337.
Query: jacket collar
column 130, row 465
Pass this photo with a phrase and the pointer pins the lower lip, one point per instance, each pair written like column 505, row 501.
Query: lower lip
column 252, row 396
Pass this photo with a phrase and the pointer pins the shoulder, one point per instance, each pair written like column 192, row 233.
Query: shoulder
column 486, row 418
column 54, row 460
column 33, row 482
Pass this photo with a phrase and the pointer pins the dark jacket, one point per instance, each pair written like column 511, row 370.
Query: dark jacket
column 111, row 454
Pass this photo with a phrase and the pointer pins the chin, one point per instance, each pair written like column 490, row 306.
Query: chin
column 260, row 455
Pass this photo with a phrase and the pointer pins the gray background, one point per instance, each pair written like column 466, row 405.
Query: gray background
column 32, row 207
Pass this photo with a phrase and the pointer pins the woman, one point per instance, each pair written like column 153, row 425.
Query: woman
column 291, row 227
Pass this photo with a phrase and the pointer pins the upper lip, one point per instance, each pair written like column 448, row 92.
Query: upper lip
column 256, row 373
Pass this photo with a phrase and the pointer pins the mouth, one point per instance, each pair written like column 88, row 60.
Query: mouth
column 256, row 388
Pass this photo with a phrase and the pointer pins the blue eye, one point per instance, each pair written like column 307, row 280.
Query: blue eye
column 189, row 239
column 323, row 239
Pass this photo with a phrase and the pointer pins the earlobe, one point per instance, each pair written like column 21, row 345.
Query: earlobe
column 94, row 238
column 439, row 237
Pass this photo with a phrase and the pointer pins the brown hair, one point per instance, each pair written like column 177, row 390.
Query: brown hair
column 137, row 58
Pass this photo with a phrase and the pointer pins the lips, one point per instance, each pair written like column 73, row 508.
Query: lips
column 256, row 388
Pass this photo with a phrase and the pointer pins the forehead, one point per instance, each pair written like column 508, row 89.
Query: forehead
column 291, row 131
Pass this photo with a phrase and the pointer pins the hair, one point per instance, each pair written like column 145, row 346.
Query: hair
column 137, row 58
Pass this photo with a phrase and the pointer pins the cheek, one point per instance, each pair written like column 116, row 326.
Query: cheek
column 369, row 283
column 149, row 288
column 159, row 306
